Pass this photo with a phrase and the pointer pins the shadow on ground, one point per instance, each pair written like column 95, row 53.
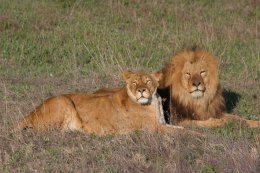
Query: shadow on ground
column 231, row 99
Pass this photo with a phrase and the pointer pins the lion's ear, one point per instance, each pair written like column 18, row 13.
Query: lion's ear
column 127, row 74
column 158, row 76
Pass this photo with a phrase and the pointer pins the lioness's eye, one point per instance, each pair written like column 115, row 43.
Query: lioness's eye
column 203, row 73
column 187, row 75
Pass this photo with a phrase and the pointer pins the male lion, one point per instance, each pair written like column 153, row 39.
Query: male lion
column 196, row 96
column 136, row 106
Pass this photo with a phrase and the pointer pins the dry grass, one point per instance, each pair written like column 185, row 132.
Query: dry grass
column 53, row 47
column 138, row 152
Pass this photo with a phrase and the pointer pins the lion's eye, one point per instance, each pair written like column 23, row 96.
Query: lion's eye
column 203, row 73
column 148, row 82
column 134, row 83
column 187, row 75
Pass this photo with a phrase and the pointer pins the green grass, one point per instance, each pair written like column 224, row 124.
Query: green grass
column 54, row 47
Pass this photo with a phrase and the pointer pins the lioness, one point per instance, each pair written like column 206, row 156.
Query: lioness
column 195, row 91
column 136, row 106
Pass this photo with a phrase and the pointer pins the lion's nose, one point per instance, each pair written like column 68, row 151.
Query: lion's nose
column 141, row 90
column 196, row 83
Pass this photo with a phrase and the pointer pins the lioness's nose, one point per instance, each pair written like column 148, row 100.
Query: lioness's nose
column 141, row 90
column 196, row 83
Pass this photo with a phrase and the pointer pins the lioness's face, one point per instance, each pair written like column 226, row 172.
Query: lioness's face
column 141, row 86
column 195, row 78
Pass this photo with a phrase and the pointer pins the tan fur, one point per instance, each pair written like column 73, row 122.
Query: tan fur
column 192, row 76
column 220, row 122
column 123, row 110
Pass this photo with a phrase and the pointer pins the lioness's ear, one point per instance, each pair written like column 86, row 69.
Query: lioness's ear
column 127, row 74
column 158, row 76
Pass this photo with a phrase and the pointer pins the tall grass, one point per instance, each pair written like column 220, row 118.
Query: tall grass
column 53, row 47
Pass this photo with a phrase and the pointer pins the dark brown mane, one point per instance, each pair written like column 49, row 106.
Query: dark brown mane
column 183, row 106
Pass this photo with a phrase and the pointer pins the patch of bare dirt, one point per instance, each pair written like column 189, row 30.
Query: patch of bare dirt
column 8, row 23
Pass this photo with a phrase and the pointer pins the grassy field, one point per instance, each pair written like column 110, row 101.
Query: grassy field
column 50, row 47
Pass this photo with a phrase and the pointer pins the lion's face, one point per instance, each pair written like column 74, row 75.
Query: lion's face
column 195, row 78
column 141, row 86
column 193, row 75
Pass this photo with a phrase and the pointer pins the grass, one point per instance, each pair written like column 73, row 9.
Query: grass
column 53, row 47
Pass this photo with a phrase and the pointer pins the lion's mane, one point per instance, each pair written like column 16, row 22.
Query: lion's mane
column 183, row 105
